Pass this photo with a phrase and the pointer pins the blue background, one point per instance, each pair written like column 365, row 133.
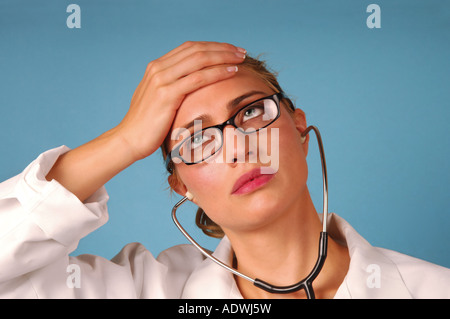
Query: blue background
column 380, row 97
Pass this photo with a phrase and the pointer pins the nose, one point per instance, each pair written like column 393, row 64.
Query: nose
column 239, row 147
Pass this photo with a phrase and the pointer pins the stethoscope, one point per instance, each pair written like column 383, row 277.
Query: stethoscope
column 305, row 283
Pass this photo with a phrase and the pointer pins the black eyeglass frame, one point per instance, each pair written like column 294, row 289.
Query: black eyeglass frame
column 277, row 97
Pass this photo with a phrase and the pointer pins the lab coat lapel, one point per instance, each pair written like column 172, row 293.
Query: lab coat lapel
column 371, row 274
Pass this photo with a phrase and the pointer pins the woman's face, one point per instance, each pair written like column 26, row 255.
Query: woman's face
column 214, row 183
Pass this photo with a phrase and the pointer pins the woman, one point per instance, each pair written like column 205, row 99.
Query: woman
column 269, row 220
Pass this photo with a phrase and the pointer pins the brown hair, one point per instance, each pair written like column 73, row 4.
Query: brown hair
column 258, row 67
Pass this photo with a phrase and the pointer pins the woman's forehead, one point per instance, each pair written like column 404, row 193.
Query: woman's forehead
column 213, row 100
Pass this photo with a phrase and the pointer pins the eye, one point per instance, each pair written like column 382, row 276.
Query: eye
column 197, row 140
column 252, row 111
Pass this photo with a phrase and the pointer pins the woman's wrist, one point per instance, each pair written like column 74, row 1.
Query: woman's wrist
column 129, row 142
column 88, row 167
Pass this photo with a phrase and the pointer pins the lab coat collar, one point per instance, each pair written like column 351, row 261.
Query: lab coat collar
column 371, row 274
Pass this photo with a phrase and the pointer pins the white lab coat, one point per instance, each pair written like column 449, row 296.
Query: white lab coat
column 41, row 223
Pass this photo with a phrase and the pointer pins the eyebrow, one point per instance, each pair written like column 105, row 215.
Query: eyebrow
column 231, row 105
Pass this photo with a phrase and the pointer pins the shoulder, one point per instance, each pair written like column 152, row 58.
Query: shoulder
column 164, row 276
column 423, row 279
column 181, row 256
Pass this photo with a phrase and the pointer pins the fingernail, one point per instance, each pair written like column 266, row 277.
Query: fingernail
column 232, row 69
column 242, row 50
column 240, row 55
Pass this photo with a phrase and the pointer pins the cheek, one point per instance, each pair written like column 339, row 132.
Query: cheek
column 290, row 148
column 292, row 154
column 204, row 182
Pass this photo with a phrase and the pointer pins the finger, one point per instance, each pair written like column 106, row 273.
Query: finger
column 199, row 79
column 187, row 49
column 179, row 48
column 198, row 61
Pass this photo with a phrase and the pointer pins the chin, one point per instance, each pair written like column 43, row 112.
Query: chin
column 261, row 206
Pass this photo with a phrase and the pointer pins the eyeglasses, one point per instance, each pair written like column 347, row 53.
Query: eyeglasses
column 203, row 144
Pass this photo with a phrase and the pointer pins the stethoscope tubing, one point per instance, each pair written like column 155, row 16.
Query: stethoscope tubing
column 200, row 248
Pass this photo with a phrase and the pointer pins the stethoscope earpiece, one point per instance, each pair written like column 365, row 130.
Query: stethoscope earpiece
column 304, row 134
column 189, row 195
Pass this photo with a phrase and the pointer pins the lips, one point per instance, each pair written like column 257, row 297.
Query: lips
column 251, row 181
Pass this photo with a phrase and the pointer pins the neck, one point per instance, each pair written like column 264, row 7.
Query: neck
column 285, row 252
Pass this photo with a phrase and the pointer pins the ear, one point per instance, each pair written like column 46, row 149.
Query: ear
column 177, row 185
column 301, row 125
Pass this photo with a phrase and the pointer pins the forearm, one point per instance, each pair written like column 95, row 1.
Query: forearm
column 86, row 168
column 154, row 104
